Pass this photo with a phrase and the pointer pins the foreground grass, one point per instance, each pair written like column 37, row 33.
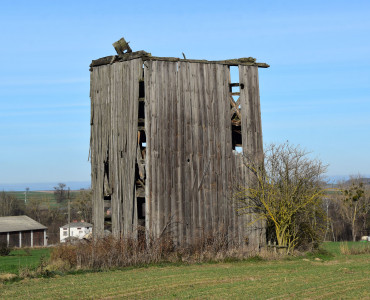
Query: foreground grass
column 20, row 259
column 338, row 277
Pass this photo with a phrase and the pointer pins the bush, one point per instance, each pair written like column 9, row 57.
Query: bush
column 4, row 249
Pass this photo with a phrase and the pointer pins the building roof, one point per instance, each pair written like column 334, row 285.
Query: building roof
column 19, row 223
column 77, row 224
column 248, row 61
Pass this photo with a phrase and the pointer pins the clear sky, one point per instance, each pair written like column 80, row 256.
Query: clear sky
column 316, row 92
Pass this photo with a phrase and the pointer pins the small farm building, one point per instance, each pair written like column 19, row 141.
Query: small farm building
column 168, row 138
column 22, row 231
column 75, row 229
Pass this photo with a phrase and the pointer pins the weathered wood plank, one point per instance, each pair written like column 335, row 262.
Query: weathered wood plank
column 148, row 130
column 181, row 86
column 194, row 100
column 204, row 183
column 152, row 70
column 251, row 128
column 189, row 172
column 200, row 146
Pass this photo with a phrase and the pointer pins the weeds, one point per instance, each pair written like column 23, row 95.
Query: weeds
column 110, row 252
column 27, row 251
column 354, row 250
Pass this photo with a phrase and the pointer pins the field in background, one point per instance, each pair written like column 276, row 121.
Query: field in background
column 21, row 259
column 313, row 276
column 46, row 197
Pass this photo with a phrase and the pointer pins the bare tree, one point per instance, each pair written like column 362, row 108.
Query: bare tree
column 10, row 205
column 60, row 192
column 354, row 203
column 286, row 191
column 82, row 205
column 36, row 207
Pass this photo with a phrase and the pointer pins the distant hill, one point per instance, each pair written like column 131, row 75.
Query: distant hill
column 365, row 180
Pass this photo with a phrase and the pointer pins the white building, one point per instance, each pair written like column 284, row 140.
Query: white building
column 75, row 229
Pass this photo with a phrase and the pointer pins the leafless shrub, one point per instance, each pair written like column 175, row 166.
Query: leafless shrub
column 110, row 252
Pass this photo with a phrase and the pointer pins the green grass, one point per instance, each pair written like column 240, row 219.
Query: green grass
column 33, row 195
column 19, row 259
column 338, row 277
column 46, row 197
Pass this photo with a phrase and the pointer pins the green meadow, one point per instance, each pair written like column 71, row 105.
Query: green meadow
column 325, row 275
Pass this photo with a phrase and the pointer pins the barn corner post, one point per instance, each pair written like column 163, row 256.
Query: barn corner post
column 252, row 134
column 164, row 146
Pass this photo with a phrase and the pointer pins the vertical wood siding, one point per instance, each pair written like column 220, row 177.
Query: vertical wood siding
column 190, row 165
column 114, row 121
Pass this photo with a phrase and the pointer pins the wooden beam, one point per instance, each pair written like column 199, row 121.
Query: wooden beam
column 235, row 108
column 147, row 56
column 121, row 46
column 229, row 62
column 118, row 58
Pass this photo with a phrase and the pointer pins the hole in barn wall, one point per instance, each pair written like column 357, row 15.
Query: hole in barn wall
column 235, row 89
column 234, row 74
column 141, row 208
column 141, row 114
column 236, row 129
column 141, row 89
column 239, row 149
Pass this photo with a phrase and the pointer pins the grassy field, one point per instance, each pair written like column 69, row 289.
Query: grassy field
column 45, row 197
column 19, row 258
column 333, row 277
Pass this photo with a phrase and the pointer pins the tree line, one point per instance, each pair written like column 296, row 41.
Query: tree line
column 287, row 190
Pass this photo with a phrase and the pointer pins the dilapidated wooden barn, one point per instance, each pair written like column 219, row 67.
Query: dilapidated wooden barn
column 164, row 139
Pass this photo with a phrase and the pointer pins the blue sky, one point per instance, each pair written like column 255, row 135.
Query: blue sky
column 316, row 93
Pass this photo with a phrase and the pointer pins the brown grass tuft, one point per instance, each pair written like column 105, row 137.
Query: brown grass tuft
column 354, row 250
column 7, row 276
column 110, row 252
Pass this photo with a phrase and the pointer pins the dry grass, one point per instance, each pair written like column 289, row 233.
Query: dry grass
column 109, row 252
column 7, row 277
column 362, row 248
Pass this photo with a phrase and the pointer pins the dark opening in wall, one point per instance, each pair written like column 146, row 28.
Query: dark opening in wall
column 235, row 108
column 106, row 188
column 141, row 89
column 141, row 114
column 141, row 208
column 140, row 172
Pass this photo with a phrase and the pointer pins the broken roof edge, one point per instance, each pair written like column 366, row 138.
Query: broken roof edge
column 246, row 61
